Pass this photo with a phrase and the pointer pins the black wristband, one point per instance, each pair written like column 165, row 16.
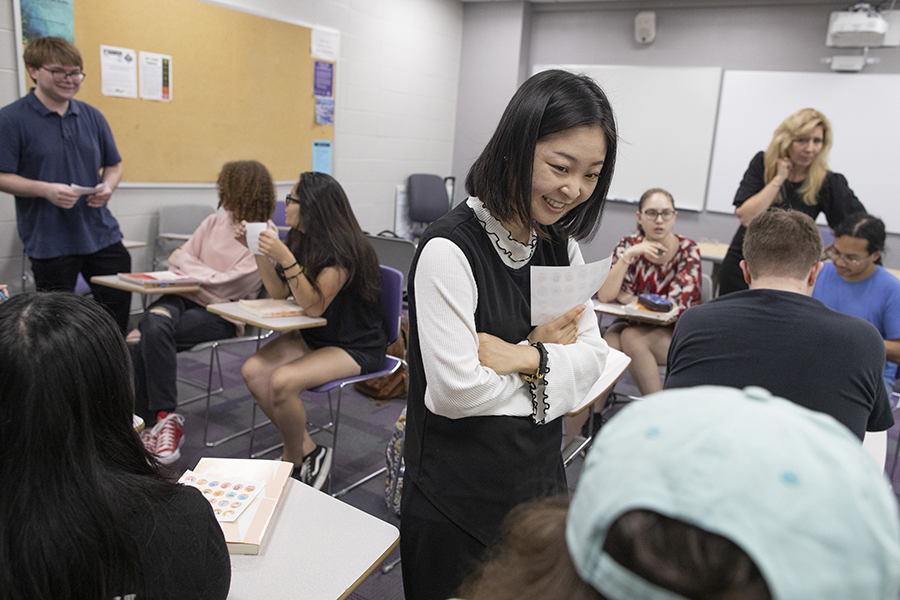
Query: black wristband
column 290, row 266
column 542, row 364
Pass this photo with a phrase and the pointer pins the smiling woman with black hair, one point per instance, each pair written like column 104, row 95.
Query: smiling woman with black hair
column 487, row 389
column 84, row 510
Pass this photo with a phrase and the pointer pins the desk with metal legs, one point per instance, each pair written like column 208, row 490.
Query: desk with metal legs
column 233, row 311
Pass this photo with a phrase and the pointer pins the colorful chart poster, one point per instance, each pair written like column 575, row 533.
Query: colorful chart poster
column 323, row 79
column 324, row 111
column 118, row 72
column 321, row 156
column 156, row 76
column 47, row 17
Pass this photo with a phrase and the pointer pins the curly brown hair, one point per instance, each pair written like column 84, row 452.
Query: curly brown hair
column 247, row 191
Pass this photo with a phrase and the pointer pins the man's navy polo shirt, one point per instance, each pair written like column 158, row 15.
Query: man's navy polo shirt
column 39, row 144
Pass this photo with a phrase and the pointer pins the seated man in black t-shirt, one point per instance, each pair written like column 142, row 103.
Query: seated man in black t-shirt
column 776, row 336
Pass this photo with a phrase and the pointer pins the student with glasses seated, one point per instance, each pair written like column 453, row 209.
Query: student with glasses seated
column 48, row 141
column 655, row 261
column 855, row 283
column 330, row 268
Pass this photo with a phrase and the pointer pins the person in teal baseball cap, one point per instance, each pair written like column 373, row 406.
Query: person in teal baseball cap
column 709, row 493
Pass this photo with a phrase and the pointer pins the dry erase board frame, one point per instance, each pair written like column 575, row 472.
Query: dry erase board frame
column 666, row 118
column 861, row 109
column 242, row 89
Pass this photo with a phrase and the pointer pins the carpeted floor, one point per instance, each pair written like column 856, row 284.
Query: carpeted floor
column 365, row 428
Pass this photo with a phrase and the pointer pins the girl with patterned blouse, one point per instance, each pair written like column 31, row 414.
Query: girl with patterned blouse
column 656, row 261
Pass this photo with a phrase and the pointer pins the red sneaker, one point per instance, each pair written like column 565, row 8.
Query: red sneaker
column 168, row 437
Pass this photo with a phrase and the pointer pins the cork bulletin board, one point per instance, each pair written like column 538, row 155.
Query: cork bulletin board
column 242, row 89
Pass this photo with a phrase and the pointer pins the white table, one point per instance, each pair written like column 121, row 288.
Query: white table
column 317, row 548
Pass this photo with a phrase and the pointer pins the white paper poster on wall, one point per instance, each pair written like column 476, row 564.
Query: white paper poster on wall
column 156, row 76
column 118, row 72
column 325, row 44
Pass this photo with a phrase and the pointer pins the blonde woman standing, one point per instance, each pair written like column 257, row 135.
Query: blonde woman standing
column 792, row 173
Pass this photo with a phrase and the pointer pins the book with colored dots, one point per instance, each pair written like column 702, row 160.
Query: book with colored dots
column 247, row 513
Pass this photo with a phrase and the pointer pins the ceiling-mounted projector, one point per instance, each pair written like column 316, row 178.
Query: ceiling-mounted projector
column 856, row 29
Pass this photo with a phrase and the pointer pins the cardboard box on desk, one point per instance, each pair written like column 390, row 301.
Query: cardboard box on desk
column 245, row 535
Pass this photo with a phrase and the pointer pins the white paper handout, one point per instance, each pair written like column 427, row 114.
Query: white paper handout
column 81, row 189
column 556, row 290
column 118, row 72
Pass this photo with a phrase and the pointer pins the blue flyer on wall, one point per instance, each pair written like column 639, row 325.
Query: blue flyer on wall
column 47, row 17
column 321, row 156
column 324, row 111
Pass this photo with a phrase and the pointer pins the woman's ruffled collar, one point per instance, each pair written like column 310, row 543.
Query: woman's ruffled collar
column 513, row 253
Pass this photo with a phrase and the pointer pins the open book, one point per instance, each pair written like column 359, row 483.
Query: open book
column 269, row 307
column 160, row 279
column 245, row 534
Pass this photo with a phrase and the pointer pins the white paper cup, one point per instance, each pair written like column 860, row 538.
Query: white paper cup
column 253, row 231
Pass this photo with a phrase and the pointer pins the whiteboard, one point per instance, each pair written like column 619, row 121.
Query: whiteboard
column 666, row 118
column 863, row 113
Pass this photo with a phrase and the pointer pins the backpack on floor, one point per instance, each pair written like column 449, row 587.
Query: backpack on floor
column 393, row 454
column 393, row 385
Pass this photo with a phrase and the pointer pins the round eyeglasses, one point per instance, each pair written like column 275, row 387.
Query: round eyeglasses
column 851, row 260
column 60, row 75
column 666, row 215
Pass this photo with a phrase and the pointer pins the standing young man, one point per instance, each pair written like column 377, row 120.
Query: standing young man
column 49, row 140
column 855, row 283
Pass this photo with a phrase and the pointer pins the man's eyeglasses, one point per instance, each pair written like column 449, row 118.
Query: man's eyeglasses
column 288, row 199
column 852, row 260
column 651, row 214
column 60, row 75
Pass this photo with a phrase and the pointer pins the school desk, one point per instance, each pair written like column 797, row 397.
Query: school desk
column 233, row 310
column 317, row 548
column 618, row 310
column 113, row 281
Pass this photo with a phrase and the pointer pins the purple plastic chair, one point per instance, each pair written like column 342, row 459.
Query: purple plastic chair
column 392, row 308
column 280, row 220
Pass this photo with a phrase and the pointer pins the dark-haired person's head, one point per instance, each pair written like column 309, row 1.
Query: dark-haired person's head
column 858, row 246
column 325, row 232
column 246, row 190
column 548, row 105
column 783, row 244
column 68, row 443
column 66, row 392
